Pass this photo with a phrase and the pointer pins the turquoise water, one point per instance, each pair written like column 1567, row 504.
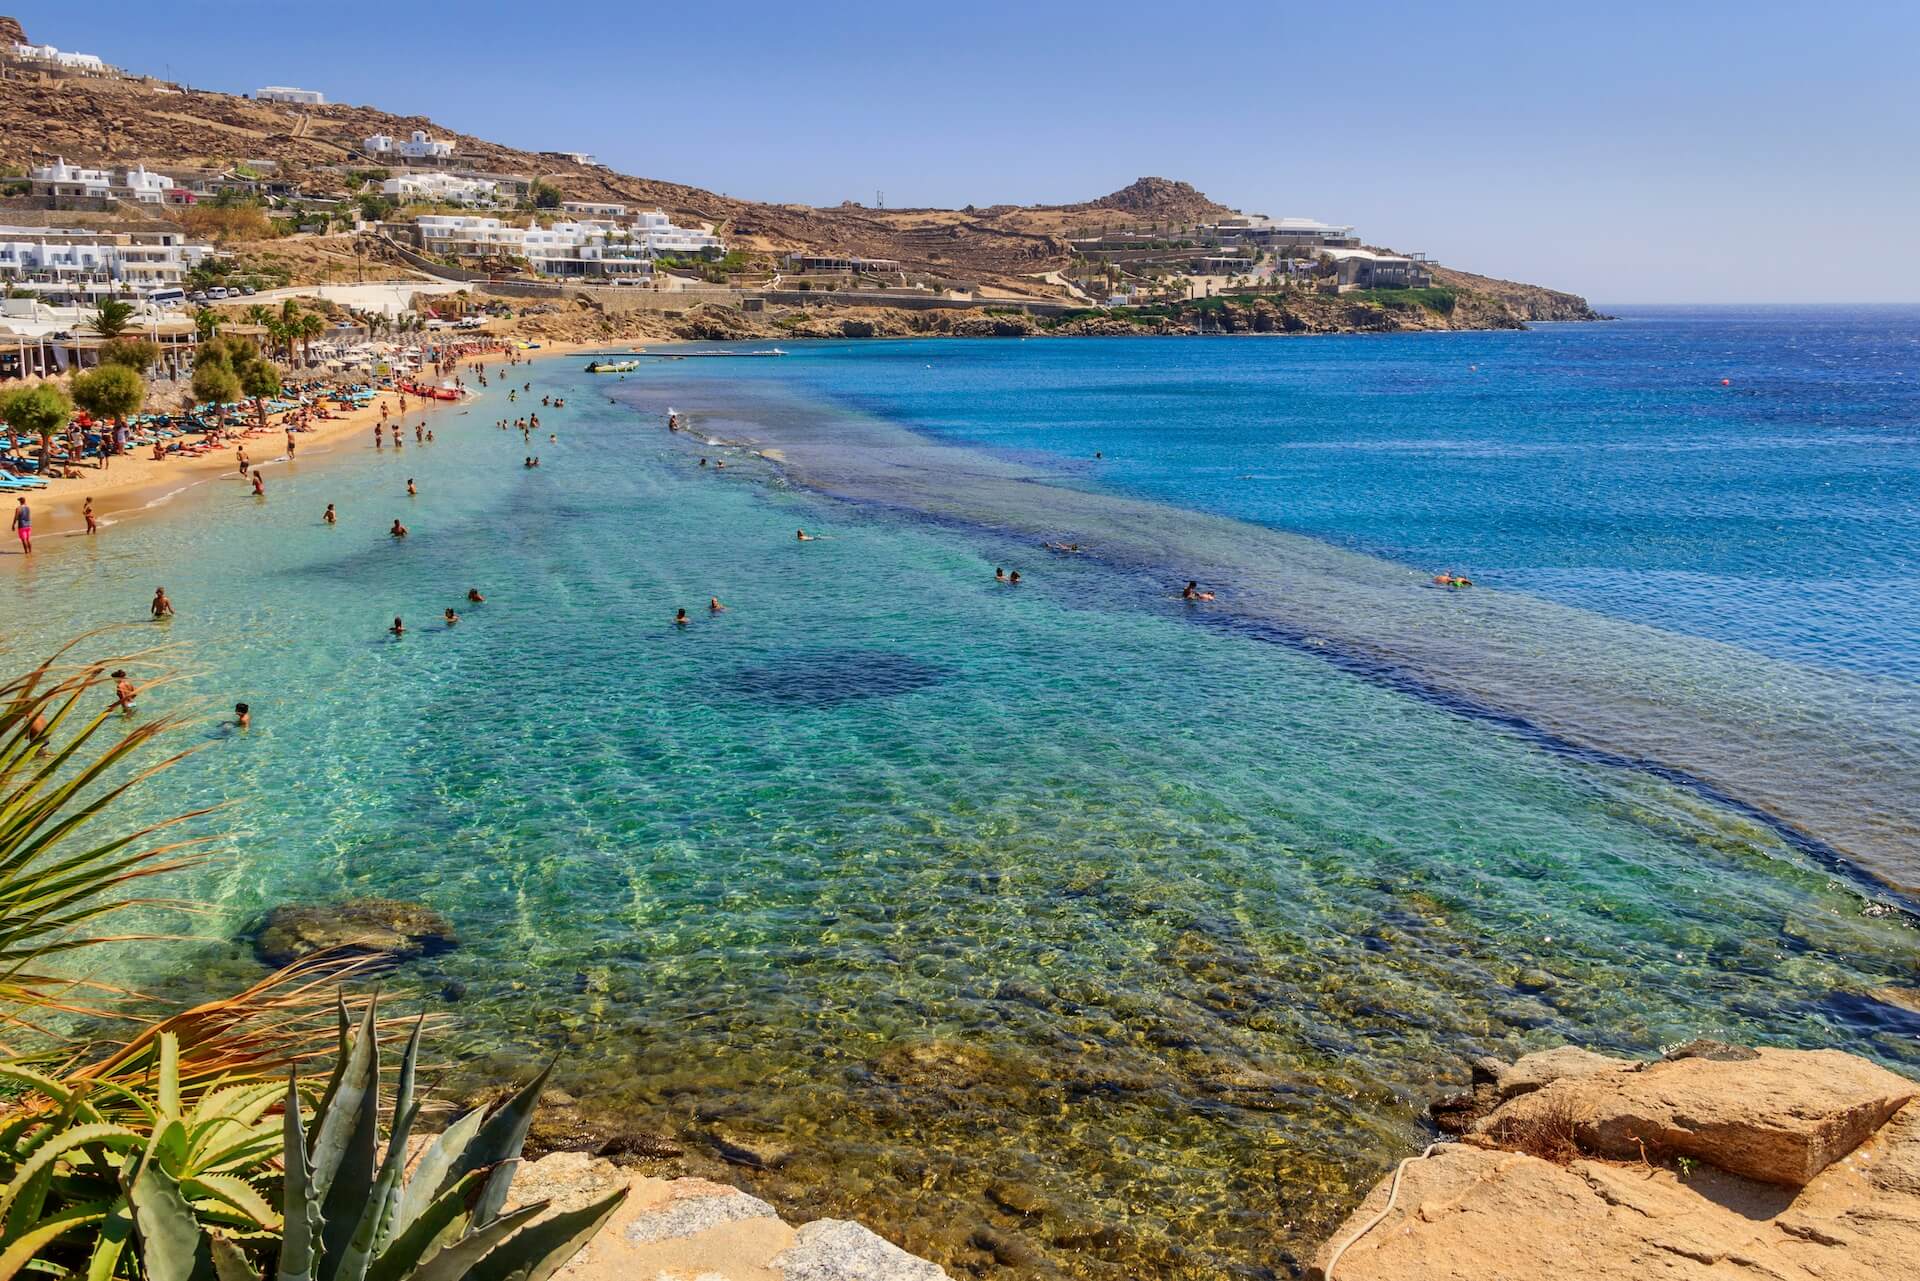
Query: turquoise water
column 1176, row 915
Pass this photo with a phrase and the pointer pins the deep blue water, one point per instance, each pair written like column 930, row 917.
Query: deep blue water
column 1603, row 465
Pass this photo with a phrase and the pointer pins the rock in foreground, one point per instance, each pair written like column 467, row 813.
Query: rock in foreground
column 1826, row 1145
column 691, row 1228
column 374, row 926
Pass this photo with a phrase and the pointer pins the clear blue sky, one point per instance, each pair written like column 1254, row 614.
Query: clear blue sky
column 1632, row 152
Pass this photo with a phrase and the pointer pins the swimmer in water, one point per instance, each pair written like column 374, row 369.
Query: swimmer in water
column 398, row 530
column 162, row 607
column 474, row 597
column 999, row 574
column 123, row 691
column 452, row 617
column 411, row 491
column 399, row 628
column 1192, row 592
column 259, row 486
column 1013, row 576
column 802, row 536
column 328, row 515
column 242, row 716
column 714, row 606
column 680, row 618
column 703, row 462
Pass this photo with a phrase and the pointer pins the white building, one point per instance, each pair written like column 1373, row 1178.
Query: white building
column 467, row 236
column 283, row 93
column 1364, row 269
column 660, row 236
column 577, row 157
column 1270, row 232
column 46, row 53
column 89, row 262
column 417, row 147
column 594, row 209
column 63, row 181
column 443, row 187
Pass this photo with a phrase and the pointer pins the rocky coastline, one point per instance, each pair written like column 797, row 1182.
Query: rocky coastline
column 1714, row 1161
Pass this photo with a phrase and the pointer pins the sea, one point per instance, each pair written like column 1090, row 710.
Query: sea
column 1072, row 924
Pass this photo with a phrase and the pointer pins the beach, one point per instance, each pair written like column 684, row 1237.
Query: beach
column 136, row 482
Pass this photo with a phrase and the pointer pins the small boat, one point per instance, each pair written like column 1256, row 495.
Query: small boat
column 612, row 366
column 432, row 393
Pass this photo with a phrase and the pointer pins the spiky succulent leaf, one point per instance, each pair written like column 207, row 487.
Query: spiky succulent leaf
column 172, row 1246
column 116, row 1229
column 501, row 1139
column 239, row 1194
column 339, row 1065
column 438, row 1169
column 444, row 1218
column 169, row 1074
column 346, row 1201
column 339, row 1126
column 27, row 1247
column 455, row 1261
column 537, row 1251
column 24, row 1197
column 300, row 1209
column 366, row 1235
column 230, row 1262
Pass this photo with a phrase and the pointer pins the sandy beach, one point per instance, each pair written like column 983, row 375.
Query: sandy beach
column 136, row 482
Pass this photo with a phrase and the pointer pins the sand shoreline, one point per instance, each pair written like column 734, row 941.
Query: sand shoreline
column 136, row 483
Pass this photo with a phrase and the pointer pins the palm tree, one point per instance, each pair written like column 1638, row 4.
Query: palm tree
column 311, row 327
column 111, row 318
column 259, row 314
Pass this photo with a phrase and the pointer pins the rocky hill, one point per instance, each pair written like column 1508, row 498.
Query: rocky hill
column 1158, row 198
column 132, row 119
column 1532, row 302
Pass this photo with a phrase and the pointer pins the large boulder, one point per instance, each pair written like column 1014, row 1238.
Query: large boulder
column 1781, row 1116
column 1477, row 1214
column 373, row 926
column 692, row 1228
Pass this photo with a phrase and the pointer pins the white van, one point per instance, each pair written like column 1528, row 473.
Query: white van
column 167, row 298
column 217, row 292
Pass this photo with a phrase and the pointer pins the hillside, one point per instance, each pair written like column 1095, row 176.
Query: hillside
column 1000, row 248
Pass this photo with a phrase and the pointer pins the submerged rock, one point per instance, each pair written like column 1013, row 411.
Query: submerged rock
column 375, row 926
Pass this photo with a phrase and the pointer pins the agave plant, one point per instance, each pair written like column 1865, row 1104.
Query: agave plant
column 68, row 1204
column 350, row 1213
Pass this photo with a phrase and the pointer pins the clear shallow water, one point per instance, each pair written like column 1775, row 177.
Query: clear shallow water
column 940, row 885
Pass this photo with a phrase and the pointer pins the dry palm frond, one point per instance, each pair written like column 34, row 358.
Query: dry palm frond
column 58, row 883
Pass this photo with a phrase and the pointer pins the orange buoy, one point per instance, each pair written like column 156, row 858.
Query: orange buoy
column 1726, row 382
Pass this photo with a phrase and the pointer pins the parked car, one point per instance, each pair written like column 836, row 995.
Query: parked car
column 216, row 293
column 247, row 290
column 198, row 295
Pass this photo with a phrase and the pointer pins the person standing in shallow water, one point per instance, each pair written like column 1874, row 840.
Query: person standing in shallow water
column 23, row 525
column 93, row 523
column 162, row 607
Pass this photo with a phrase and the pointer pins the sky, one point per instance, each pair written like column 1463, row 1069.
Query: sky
column 1630, row 152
